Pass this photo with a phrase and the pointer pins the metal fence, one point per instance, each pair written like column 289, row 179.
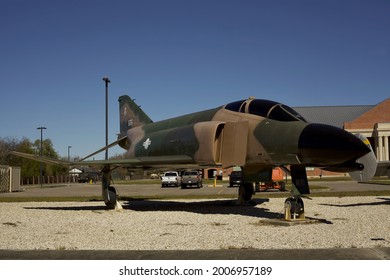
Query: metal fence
column 4, row 178
column 36, row 180
column 9, row 178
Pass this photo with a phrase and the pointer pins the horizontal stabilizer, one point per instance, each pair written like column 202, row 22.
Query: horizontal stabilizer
column 120, row 140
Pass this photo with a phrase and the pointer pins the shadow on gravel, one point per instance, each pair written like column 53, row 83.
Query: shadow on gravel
column 224, row 207
column 384, row 201
column 70, row 208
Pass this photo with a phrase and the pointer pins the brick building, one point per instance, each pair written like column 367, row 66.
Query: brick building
column 372, row 121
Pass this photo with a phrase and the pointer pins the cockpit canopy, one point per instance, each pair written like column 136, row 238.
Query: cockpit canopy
column 265, row 108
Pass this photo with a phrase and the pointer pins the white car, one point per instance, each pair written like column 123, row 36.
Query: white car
column 170, row 178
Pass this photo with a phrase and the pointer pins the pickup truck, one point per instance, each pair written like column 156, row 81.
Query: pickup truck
column 235, row 178
column 191, row 178
column 170, row 178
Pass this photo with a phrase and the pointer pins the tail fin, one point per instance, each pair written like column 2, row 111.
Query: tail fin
column 131, row 115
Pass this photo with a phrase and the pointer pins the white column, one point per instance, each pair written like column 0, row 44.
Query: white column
column 376, row 139
column 380, row 148
column 386, row 148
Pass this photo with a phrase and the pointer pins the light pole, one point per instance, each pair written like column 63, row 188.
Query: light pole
column 40, row 151
column 69, row 152
column 69, row 160
column 107, row 81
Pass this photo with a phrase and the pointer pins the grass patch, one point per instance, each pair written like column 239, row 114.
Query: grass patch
column 378, row 182
column 44, row 186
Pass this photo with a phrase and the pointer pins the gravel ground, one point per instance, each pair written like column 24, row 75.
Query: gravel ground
column 347, row 222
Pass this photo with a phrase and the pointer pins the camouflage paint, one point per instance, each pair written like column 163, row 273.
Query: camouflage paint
column 197, row 135
column 265, row 140
column 280, row 140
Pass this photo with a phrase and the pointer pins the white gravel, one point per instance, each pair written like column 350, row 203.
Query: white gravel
column 350, row 222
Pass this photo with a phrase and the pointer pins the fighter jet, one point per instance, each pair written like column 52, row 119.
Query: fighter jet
column 255, row 134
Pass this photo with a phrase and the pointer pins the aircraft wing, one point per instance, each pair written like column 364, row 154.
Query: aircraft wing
column 41, row 159
column 140, row 161
column 129, row 162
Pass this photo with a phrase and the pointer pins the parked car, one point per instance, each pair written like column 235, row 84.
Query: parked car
column 86, row 177
column 235, row 178
column 170, row 178
column 191, row 178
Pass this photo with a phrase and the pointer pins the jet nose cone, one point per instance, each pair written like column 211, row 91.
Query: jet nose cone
column 323, row 145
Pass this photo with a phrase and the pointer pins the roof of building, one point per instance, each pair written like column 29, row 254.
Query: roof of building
column 333, row 115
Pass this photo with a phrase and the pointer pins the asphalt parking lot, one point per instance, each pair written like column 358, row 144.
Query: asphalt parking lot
column 155, row 190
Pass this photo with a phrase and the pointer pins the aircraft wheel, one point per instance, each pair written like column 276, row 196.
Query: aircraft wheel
column 295, row 208
column 245, row 192
column 110, row 197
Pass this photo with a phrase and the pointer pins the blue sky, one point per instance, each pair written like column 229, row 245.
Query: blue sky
column 176, row 57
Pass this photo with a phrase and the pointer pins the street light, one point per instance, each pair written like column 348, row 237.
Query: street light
column 40, row 151
column 69, row 160
column 69, row 152
column 107, row 81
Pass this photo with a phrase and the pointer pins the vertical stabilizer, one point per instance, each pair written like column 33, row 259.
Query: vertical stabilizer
column 130, row 114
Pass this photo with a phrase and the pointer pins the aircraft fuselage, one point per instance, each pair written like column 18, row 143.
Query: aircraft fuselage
column 255, row 134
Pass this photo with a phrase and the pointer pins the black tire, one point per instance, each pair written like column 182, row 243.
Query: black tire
column 245, row 191
column 111, row 197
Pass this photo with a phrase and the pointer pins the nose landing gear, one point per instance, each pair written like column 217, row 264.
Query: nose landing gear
column 294, row 209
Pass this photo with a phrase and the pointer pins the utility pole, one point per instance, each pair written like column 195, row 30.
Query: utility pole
column 69, row 169
column 40, row 152
column 69, row 152
column 107, row 81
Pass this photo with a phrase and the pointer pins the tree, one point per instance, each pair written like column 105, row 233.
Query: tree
column 30, row 168
column 6, row 145
column 49, row 152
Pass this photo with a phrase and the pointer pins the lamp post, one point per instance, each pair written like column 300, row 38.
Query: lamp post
column 69, row 152
column 40, row 151
column 69, row 160
column 107, row 81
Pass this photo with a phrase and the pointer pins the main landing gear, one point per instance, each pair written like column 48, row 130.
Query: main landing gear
column 245, row 192
column 110, row 198
column 293, row 206
column 108, row 191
